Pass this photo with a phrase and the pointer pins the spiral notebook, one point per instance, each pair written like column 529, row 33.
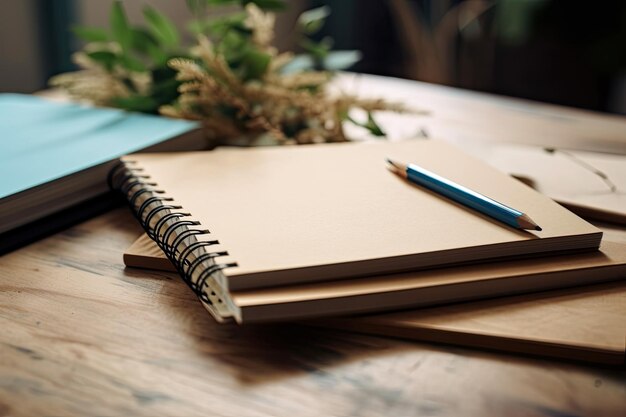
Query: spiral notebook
column 582, row 323
column 243, row 219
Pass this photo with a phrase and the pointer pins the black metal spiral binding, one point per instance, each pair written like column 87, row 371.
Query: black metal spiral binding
column 155, row 210
column 173, row 227
column 156, row 231
column 133, row 199
column 204, row 257
column 184, row 235
column 128, row 180
column 146, row 203
column 191, row 248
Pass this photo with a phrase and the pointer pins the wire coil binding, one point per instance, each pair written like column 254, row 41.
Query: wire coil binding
column 132, row 184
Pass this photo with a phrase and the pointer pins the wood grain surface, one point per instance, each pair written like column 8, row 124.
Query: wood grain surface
column 83, row 336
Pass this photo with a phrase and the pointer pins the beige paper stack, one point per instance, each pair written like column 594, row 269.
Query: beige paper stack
column 326, row 230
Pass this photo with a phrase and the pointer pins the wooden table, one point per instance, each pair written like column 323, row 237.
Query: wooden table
column 81, row 335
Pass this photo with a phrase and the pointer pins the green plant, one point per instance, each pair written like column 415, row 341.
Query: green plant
column 126, row 66
column 233, row 79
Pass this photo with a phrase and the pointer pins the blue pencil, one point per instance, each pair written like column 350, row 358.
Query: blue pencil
column 464, row 195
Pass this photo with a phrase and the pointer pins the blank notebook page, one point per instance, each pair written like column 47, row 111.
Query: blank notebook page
column 311, row 213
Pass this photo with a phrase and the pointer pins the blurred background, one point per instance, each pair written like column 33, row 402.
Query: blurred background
column 565, row 52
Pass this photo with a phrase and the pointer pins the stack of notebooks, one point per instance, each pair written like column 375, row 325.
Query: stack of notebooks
column 322, row 233
column 325, row 231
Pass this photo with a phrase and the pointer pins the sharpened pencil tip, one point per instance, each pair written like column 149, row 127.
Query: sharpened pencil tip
column 397, row 168
column 527, row 223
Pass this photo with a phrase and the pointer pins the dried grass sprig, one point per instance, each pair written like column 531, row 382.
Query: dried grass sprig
column 233, row 79
column 290, row 107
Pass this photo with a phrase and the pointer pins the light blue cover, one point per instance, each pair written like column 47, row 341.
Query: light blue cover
column 41, row 140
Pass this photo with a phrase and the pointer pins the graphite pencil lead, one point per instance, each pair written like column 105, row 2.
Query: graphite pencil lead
column 525, row 222
column 397, row 168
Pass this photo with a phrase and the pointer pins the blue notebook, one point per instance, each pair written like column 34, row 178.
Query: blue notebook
column 54, row 155
column 41, row 140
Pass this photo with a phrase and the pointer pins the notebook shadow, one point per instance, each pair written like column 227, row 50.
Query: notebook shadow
column 262, row 353
column 256, row 354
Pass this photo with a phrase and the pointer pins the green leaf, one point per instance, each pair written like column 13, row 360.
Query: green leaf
column 138, row 103
column 267, row 4
column 234, row 46
column 219, row 27
column 340, row 60
column 141, row 40
column 319, row 50
column 144, row 43
column 163, row 73
column 312, row 20
column 197, row 7
column 165, row 92
column 132, row 64
column 90, row 34
column 255, row 64
column 105, row 58
column 370, row 125
column 302, row 62
column 161, row 27
column 373, row 127
column 158, row 56
column 120, row 28
column 222, row 2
